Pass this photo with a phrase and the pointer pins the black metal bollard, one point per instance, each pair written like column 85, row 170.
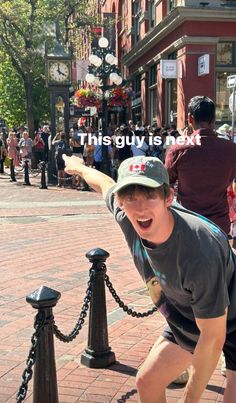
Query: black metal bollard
column 12, row 170
column 43, row 175
column 45, row 377
column 98, row 354
column 26, row 172
column 2, row 166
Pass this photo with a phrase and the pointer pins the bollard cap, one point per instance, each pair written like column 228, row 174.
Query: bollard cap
column 44, row 297
column 97, row 255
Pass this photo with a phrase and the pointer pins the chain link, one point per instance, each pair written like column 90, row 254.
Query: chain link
column 122, row 305
column 64, row 179
column 83, row 314
column 28, row 372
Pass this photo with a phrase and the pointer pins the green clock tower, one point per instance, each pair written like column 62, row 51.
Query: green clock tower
column 58, row 76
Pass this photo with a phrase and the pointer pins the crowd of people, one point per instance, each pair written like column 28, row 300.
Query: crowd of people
column 18, row 146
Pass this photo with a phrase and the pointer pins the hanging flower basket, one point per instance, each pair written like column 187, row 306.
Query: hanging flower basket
column 119, row 96
column 86, row 97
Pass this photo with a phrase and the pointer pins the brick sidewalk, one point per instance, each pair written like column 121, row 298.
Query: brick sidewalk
column 44, row 237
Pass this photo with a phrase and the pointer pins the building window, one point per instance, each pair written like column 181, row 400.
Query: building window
column 225, row 66
column 152, row 6
column 171, row 4
column 153, row 75
column 229, row 3
column 224, row 53
column 122, row 14
column 137, row 84
column 223, row 113
column 153, row 94
column 136, row 15
column 153, row 105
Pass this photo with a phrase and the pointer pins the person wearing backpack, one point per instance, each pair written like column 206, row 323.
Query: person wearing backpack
column 60, row 144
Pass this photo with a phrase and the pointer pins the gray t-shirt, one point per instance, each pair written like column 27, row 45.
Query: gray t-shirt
column 191, row 275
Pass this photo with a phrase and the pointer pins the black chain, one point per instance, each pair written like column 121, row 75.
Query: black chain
column 28, row 372
column 122, row 305
column 83, row 314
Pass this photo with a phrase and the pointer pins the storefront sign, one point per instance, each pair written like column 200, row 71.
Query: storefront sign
column 169, row 68
column 203, row 65
column 231, row 81
column 136, row 102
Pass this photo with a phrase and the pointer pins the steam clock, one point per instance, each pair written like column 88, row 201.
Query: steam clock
column 58, row 75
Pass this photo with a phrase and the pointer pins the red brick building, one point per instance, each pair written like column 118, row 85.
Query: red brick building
column 173, row 50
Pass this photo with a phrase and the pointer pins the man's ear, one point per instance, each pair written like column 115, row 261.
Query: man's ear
column 119, row 202
column 190, row 119
column 170, row 198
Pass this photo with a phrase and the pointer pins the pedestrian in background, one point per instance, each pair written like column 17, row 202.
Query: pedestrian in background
column 3, row 153
column 60, row 144
column 12, row 147
column 26, row 147
column 39, row 147
column 45, row 135
column 203, row 171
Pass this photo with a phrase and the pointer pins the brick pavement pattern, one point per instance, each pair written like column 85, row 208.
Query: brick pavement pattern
column 44, row 237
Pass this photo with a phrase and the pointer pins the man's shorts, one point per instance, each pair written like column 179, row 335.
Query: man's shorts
column 229, row 348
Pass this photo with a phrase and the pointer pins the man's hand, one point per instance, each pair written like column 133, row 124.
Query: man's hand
column 100, row 182
column 73, row 164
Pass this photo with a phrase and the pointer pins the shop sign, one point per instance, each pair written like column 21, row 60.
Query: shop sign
column 136, row 102
column 203, row 65
column 231, row 81
column 169, row 68
column 92, row 110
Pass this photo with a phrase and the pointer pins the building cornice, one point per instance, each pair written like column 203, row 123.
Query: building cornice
column 170, row 23
column 180, row 43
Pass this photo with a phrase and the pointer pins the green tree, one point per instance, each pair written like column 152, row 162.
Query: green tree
column 25, row 25
column 12, row 104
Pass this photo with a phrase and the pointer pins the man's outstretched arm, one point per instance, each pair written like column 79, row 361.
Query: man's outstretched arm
column 100, row 182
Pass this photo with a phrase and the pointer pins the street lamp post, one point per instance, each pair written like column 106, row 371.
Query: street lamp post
column 104, row 73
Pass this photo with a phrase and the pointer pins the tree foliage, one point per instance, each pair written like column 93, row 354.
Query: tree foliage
column 25, row 26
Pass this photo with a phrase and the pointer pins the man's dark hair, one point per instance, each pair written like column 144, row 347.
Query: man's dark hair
column 163, row 191
column 202, row 109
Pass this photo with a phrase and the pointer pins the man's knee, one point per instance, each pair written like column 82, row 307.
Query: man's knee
column 145, row 380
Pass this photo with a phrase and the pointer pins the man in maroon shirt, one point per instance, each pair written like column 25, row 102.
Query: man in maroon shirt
column 204, row 165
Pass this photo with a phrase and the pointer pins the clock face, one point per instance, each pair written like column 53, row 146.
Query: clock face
column 59, row 72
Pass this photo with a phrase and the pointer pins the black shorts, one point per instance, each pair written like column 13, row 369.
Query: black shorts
column 229, row 348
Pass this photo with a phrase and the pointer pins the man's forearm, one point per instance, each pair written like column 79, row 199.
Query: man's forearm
column 95, row 178
column 205, row 359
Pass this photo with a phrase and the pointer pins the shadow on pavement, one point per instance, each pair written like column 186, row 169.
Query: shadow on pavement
column 217, row 389
column 122, row 368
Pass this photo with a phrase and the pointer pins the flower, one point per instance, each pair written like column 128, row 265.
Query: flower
column 119, row 96
column 86, row 97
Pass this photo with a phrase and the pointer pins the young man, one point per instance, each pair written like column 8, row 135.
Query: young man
column 189, row 269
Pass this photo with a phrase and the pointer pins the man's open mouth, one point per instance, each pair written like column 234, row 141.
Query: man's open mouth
column 145, row 223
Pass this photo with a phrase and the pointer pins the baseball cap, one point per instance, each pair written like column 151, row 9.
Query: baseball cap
column 141, row 170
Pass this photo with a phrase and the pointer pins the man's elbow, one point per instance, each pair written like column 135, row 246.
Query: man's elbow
column 216, row 341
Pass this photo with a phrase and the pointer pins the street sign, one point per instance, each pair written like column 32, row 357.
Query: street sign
column 231, row 81
column 232, row 102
